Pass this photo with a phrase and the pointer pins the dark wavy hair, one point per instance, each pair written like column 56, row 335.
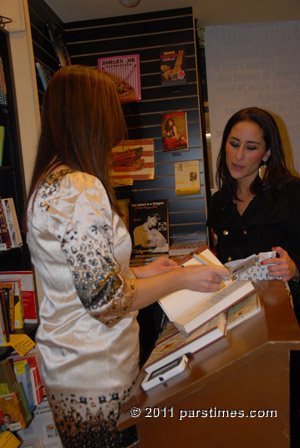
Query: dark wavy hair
column 82, row 120
column 277, row 172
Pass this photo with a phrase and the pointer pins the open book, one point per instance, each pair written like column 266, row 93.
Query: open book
column 189, row 309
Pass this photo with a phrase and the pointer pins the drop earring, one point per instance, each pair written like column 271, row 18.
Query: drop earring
column 262, row 170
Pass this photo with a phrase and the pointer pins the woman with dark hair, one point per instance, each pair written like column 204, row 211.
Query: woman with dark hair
column 257, row 205
column 88, row 337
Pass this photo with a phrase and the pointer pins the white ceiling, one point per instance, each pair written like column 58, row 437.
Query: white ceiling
column 208, row 12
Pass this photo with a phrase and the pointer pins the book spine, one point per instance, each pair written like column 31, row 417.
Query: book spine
column 4, row 314
column 2, row 137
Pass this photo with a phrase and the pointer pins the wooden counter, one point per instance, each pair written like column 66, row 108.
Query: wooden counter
column 210, row 404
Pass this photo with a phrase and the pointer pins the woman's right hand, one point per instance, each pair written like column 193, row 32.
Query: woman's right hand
column 204, row 278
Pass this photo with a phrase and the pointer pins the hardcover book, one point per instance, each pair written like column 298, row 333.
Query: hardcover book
column 174, row 131
column 125, row 71
column 172, row 65
column 149, row 226
column 189, row 309
column 243, row 310
column 171, row 344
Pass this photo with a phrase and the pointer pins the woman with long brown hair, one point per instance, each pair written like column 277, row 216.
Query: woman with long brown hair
column 88, row 336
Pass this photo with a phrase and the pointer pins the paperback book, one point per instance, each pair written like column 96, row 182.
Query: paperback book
column 174, row 131
column 149, row 226
column 172, row 65
column 187, row 177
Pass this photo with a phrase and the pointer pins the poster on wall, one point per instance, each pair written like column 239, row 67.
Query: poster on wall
column 172, row 66
column 174, row 131
column 125, row 71
column 132, row 160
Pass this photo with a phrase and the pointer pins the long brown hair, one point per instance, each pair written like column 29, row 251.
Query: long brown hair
column 82, row 120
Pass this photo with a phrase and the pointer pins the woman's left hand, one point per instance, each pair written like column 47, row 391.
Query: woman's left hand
column 283, row 267
column 156, row 267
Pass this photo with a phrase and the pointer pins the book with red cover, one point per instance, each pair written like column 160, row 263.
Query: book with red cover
column 174, row 131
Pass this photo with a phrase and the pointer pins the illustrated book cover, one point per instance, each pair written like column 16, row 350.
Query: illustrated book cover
column 149, row 226
column 243, row 310
column 172, row 65
column 189, row 309
column 172, row 343
column 174, row 131
column 132, row 160
column 125, row 71
column 187, row 177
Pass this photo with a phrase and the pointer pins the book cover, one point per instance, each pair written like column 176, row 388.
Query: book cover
column 149, row 226
column 2, row 137
column 187, row 177
column 10, row 214
column 243, row 310
column 27, row 291
column 132, row 160
column 189, row 309
column 174, row 131
column 172, row 65
column 8, row 439
column 172, row 343
column 44, row 74
column 12, row 418
column 125, row 71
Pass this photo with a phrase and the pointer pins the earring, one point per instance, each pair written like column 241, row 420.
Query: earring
column 262, row 170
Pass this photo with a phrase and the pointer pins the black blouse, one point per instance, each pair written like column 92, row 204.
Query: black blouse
column 258, row 229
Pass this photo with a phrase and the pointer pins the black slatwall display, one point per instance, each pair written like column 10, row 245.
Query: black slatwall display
column 145, row 34
column 41, row 17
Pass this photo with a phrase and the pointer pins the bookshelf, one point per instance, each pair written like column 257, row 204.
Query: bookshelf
column 12, row 184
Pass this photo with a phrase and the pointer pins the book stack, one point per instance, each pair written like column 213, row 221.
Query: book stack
column 17, row 302
column 27, row 370
column 172, row 343
column 14, row 407
column 10, row 234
